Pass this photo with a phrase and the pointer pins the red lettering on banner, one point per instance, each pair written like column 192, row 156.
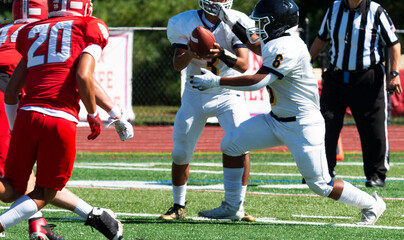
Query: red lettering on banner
column 101, row 77
column 105, row 78
column 101, row 60
column 255, row 95
column 255, row 62
column 110, row 76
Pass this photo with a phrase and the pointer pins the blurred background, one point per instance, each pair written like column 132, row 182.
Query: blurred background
column 156, row 91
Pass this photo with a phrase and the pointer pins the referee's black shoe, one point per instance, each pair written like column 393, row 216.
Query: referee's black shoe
column 375, row 183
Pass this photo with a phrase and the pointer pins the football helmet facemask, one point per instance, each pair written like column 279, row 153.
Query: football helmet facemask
column 58, row 8
column 272, row 19
column 211, row 8
column 26, row 11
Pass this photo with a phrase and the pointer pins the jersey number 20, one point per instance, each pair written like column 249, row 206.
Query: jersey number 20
column 42, row 33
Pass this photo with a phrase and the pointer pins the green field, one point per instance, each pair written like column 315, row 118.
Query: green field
column 137, row 186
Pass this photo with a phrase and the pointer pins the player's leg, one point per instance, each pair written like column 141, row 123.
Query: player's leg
column 4, row 134
column 307, row 147
column 188, row 125
column 231, row 112
column 333, row 108
column 19, row 163
column 104, row 220
column 254, row 133
column 14, row 169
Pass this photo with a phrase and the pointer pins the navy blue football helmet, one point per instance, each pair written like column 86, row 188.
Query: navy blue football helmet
column 272, row 18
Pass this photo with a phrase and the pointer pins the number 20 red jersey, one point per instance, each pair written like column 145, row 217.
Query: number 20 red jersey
column 51, row 49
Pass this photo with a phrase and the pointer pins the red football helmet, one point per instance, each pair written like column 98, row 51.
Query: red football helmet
column 58, row 8
column 29, row 10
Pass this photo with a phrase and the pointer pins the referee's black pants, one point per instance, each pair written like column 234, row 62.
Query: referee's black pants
column 364, row 93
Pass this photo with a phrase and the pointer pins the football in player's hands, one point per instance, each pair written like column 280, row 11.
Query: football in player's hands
column 202, row 41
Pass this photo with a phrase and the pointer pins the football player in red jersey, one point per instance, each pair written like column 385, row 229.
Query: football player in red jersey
column 31, row 12
column 56, row 71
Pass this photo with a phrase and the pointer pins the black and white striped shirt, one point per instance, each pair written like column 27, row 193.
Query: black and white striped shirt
column 357, row 36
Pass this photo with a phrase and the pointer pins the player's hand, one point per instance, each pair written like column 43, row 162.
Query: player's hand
column 192, row 53
column 205, row 81
column 95, row 126
column 225, row 15
column 216, row 51
column 123, row 128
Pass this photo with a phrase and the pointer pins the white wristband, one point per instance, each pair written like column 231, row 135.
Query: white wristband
column 11, row 111
column 115, row 112
column 93, row 115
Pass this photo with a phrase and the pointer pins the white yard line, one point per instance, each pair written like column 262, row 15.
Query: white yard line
column 147, row 168
column 150, row 164
column 323, row 217
column 263, row 220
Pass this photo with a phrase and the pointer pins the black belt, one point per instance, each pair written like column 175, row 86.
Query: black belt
column 281, row 119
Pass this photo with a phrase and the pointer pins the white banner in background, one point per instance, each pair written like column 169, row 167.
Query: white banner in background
column 114, row 72
column 257, row 101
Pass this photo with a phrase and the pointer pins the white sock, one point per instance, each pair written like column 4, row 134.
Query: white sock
column 179, row 194
column 243, row 193
column 83, row 209
column 355, row 197
column 232, row 185
column 36, row 215
column 21, row 210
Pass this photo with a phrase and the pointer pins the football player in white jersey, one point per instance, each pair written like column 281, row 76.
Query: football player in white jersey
column 229, row 58
column 295, row 119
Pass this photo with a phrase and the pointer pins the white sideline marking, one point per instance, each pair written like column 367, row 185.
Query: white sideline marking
column 134, row 184
column 146, row 167
column 284, row 186
column 264, row 220
column 112, row 184
column 290, row 164
column 324, row 217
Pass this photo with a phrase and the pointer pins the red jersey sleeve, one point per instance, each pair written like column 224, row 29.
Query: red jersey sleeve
column 96, row 32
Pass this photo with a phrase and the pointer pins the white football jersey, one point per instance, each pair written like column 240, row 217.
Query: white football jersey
column 179, row 31
column 295, row 91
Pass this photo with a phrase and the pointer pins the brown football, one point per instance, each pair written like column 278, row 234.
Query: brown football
column 202, row 41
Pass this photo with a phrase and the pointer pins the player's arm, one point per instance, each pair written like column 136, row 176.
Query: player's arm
column 16, row 84
column 239, row 30
column 122, row 126
column 317, row 46
column 243, row 83
column 85, row 85
column 182, row 57
column 237, row 61
column 103, row 100
column 85, row 82
column 14, row 87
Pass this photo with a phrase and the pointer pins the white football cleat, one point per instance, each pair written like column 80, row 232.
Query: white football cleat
column 224, row 211
column 370, row 215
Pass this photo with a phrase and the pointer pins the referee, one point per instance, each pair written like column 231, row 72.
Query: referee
column 358, row 31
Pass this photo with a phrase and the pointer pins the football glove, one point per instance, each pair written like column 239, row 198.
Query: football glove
column 225, row 15
column 205, row 81
column 122, row 127
column 95, row 126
